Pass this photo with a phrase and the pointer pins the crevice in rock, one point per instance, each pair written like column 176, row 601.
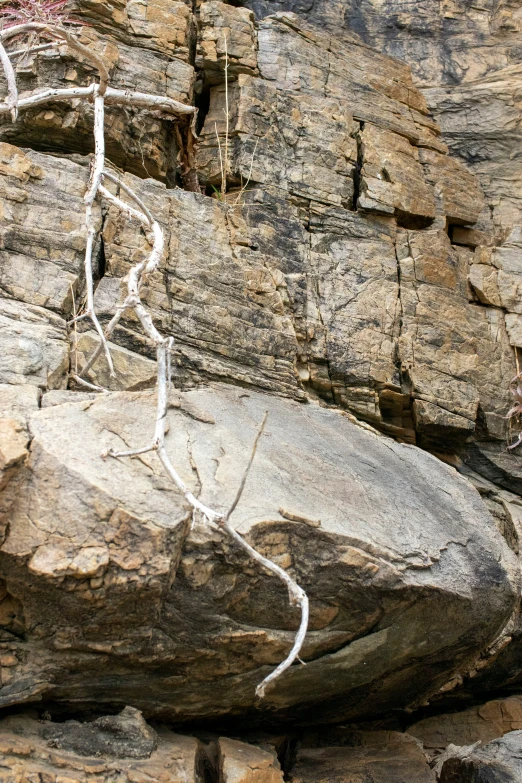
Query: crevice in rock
column 100, row 263
column 357, row 171
column 201, row 102
column 412, row 222
column 286, row 755
column 186, row 143
column 206, row 762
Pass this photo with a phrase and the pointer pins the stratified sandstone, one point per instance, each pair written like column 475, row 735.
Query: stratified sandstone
column 352, row 266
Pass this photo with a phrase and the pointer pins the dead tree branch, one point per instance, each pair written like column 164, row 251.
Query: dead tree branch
column 101, row 94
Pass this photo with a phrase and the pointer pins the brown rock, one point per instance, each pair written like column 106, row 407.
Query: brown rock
column 381, row 756
column 133, row 372
column 243, row 763
column 482, row 723
column 312, row 156
column 146, row 48
column 392, row 178
column 461, row 198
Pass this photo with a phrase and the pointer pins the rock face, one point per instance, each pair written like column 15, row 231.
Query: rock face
column 337, row 261
column 379, row 756
column 498, row 762
column 481, row 723
column 33, row 750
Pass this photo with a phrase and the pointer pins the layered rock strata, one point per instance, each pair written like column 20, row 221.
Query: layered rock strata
column 341, row 264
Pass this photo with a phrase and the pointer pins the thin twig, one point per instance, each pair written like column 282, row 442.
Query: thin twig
column 227, row 114
column 297, row 595
column 247, row 469
column 32, row 49
column 75, row 332
column 244, row 187
column 221, row 167
column 89, row 385
column 92, row 192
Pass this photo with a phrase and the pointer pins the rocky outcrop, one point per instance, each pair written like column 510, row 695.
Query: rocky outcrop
column 337, row 262
column 363, row 300
column 466, row 59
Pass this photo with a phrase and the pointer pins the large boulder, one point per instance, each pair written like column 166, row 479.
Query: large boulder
column 122, row 597
column 498, row 762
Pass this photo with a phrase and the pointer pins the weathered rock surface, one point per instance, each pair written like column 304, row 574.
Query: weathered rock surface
column 119, row 598
column 498, row 762
column 482, row 723
column 105, row 751
column 351, row 262
column 240, row 762
column 380, row 756
column 146, row 48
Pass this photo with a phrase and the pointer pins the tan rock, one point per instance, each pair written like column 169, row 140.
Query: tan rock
column 18, row 402
column 133, row 372
column 296, row 56
column 42, row 228
column 431, row 420
column 456, row 354
column 13, row 449
column 471, row 237
column 219, row 23
column 243, row 763
column 393, row 180
column 109, row 545
column 484, row 280
column 146, row 45
column 313, row 156
column 461, row 197
column 34, row 346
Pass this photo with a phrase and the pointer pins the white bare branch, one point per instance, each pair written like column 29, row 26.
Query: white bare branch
column 297, row 596
column 166, row 107
column 31, row 49
column 92, row 192
column 12, row 90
